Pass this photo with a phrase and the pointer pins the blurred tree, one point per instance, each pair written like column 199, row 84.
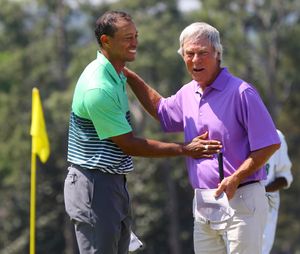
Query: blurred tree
column 34, row 52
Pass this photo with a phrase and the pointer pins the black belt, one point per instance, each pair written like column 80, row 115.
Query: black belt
column 247, row 183
column 94, row 170
column 86, row 169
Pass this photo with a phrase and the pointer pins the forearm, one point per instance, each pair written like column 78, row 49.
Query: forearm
column 199, row 147
column 147, row 96
column 255, row 161
column 152, row 148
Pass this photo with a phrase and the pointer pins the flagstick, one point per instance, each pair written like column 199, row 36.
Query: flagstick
column 40, row 147
column 32, row 203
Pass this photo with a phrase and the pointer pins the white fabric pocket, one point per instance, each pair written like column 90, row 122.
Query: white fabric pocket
column 211, row 210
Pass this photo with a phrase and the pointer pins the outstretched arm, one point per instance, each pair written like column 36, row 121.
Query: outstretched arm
column 147, row 96
column 199, row 147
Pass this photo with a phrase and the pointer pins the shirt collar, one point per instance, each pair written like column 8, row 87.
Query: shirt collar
column 218, row 84
column 110, row 69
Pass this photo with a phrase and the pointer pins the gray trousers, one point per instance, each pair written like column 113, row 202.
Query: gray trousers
column 99, row 206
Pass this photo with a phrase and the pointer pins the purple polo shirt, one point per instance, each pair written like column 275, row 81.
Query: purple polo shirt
column 232, row 112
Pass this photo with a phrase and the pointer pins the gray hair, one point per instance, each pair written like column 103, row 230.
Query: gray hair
column 199, row 30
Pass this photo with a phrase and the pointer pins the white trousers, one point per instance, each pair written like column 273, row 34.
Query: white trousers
column 244, row 235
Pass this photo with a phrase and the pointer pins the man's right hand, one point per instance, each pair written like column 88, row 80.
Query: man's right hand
column 200, row 147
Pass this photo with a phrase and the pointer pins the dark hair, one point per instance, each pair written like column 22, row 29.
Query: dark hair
column 106, row 24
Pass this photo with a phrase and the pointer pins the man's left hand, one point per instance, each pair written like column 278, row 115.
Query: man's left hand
column 229, row 186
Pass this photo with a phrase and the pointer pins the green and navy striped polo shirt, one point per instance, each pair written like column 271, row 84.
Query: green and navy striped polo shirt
column 99, row 111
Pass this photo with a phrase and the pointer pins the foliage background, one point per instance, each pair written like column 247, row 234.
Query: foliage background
column 47, row 44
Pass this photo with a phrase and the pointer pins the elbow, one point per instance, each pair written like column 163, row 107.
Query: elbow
column 126, row 142
column 273, row 148
column 128, row 150
column 276, row 146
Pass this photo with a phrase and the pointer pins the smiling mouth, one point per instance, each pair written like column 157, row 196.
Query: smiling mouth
column 133, row 51
column 198, row 69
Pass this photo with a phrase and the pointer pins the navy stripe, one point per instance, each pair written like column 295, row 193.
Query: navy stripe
column 87, row 150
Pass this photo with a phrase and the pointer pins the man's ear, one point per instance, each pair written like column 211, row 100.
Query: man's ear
column 104, row 40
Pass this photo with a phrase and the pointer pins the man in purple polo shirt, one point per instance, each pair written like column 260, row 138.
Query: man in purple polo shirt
column 230, row 110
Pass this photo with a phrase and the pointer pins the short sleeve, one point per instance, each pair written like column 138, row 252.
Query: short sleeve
column 106, row 114
column 170, row 114
column 257, row 120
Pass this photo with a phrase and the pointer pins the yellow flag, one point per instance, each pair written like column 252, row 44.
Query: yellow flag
column 40, row 142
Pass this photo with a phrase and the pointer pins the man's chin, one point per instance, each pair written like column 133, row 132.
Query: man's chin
column 197, row 78
column 131, row 59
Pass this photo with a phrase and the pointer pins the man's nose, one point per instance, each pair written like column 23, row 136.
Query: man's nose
column 197, row 57
column 134, row 42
